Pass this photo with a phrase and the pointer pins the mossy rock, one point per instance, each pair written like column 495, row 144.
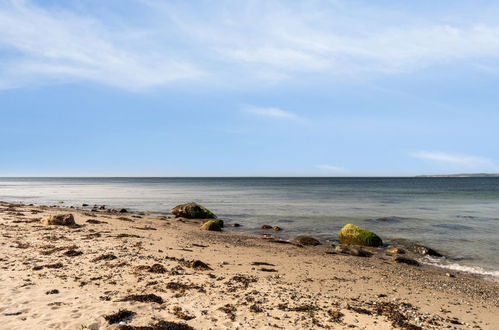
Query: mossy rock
column 219, row 222
column 351, row 234
column 306, row 240
column 192, row 211
column 211, row 225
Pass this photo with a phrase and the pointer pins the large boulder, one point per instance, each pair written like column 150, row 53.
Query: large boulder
column 192, row 211
column 351, row 234
column 211, row 225
column 59, row 220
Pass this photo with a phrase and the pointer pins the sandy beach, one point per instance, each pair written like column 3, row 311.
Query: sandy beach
column 165, row 273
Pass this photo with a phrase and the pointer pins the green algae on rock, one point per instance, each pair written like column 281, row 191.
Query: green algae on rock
column 219, row 222
column 211, row 225
column 192, row 211
column 351, row 234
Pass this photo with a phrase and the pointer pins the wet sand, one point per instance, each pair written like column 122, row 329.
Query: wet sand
column 165, row 273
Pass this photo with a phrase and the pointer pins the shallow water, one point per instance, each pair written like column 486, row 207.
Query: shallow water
column 457, row 216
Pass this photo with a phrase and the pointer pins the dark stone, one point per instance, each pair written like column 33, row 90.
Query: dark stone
column 423, row 250
column 407, row 261
column 306, row 240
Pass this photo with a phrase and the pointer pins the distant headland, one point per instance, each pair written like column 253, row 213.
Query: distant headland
column 464, row 175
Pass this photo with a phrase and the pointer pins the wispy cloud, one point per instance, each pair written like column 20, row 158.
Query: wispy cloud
column 40, row 45
column 237, row 41
column 333, row 169
column 270, row 112
column 454, row 159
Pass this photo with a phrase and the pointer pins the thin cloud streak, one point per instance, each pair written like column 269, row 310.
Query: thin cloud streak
column 455, row 159
column 270, row 112
column 330, row 168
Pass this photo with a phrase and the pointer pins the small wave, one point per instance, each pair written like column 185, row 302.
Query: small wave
column 462, row 268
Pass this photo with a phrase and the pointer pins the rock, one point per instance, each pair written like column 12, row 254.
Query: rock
column 237, row 225
column 192, row 211
column 395, row 251
column 219, row 222
column 266, row 227
column 276, row 228
column 59, row 220
column 351, row 234
column 306, row 240
column 84, row 205
column 407, row 261
column 122, row 210
column 211, row 225
column 423, row 250
column 351, row 250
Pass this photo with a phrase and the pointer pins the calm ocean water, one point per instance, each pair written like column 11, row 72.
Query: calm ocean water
column 457, row 216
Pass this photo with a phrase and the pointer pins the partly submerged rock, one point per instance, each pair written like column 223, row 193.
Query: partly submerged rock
column 351, row 234
column 352, row 250
column 423, row 250
column 59, row 220
column 306, row 240
column 407, row 261
column 266, row 227
column 211, row 225
column 219, row 222
column 192, row 211
column 276, row 228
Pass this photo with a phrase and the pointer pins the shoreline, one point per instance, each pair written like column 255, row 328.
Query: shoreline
column 290, row 286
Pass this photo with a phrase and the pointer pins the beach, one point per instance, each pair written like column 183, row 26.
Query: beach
column 163, row 272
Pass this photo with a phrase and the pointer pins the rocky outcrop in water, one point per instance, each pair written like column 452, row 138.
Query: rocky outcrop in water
column 423, row 250
column 192, row 211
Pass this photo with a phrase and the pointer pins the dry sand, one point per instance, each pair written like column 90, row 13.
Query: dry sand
column 58, row 277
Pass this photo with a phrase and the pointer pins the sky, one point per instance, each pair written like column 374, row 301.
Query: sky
column 248, row 88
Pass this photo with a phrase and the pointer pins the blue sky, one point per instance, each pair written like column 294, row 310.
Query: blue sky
column 194, row 88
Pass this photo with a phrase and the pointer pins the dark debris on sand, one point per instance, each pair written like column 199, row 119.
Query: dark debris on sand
column 144, row 298
column 107, row 257
column 121, row 315
column 128, row 236
column 230, row 310
column 73, row 253
column 156, row 268
column 160, row 325
column 95, row 222
column 198, row 265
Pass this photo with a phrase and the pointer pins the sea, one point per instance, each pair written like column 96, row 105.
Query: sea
column 457, row 216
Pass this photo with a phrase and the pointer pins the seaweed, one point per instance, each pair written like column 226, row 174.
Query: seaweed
column 73, row 253
column 230, row 310
column 144, row 298
column 121, row 315
column 107, row 257
column 160, row 325
column 259, row 263
column 95, row 222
